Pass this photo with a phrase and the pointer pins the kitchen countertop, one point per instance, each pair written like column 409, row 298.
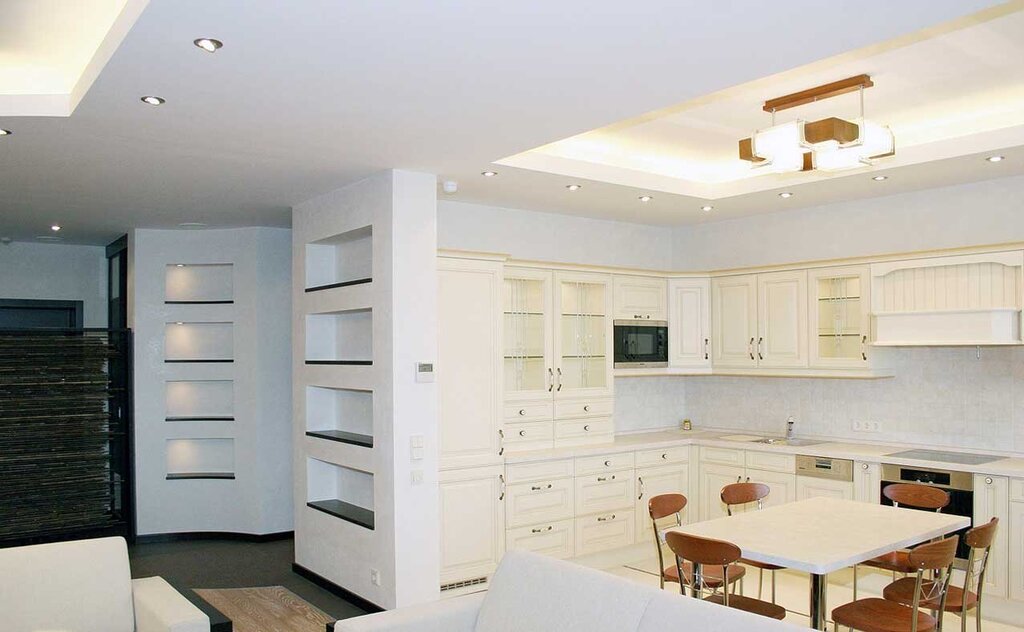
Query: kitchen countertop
column 1012, row 466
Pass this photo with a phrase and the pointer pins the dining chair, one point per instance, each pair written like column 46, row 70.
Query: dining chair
column 914, row 496
column 875, row 614
column 959, row 600
column 740, row 494
column 672, row 505
column 705, row 553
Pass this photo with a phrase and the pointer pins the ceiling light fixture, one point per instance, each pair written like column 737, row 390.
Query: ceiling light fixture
column 208, row 44
column 489, row 174
column 706, row 208
column 574, row 187
column 5, row 132
column 995, row 158
column 831, row 144
column 880, row 178
column 55, row 227
column 785, row 194
column 49, row 238
column 191, row 225
column 179, row 265
column 645, row 198
column 149, row 100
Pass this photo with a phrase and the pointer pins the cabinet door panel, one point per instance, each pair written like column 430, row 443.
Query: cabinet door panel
column 582, row 335
column 554, row 539
column 807, row 487
column 782, row 306
column 602, row 532
column 992, row 500
column 1016, row 548
column 689, row 322
column 712, row 479
column 654, row 481
column 528, row 317
column 604, row 492
column 867, row 482
column 783, row 486
column 734, row 320
column 839, row 317
column 472, row 525
column 639, row 298
column 540, row 501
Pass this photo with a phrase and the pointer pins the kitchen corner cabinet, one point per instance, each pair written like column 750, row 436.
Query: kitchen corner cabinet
column 639, row 298
column 689, row 321
column 760, row 320
column 472, row 510
column 840, row 317
column 867, row 482
column 992, row 500
column 469, row 361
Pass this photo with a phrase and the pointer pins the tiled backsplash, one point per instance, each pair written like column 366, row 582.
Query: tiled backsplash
column 938, row 397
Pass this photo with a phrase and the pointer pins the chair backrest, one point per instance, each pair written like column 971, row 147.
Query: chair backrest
column 936, row 557
column 703, row 552
column 916, row 495
column 979, row 539
column 743, row 493
column 664, row 505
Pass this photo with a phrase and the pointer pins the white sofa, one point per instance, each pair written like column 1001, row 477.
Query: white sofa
column 86, row 586
column 532, row 593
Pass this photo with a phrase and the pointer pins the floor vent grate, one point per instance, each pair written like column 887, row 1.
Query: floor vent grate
column 464, row 584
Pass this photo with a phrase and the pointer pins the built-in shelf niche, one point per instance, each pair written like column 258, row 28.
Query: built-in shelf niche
column 198, row 342
column 340, row 414
column 340, row 491
column 340, row 260
column 199, row 284
column 200, row 400
column 340, row 338
column 200, row 459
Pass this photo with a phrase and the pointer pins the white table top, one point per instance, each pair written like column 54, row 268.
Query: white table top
column 822, row 535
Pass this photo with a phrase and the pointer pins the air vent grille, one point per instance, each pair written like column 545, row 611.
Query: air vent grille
column 466, row 583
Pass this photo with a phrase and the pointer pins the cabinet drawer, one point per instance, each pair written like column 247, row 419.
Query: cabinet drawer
column 528, row 411
column 583, row 431
column 771, row 462
column 554, row 539
column 584, row 408
column 725, row 456
column 663, row 456
column 605, row 531
column 544, row 470
column 535, row 435
column 604, row 492
column 540, row 501
column 1017, row 491
column 604, row 463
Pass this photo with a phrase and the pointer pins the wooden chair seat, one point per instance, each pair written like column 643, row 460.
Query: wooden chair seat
column 879, row 615
column 902, row 591
column 712, row 574
column 761, row 565
column 898, row 561
column 749, row 604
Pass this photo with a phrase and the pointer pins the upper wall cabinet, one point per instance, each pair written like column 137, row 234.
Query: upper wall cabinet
column 760, row 320
column 734, row 320
column 689, row 336
column 839, row 315
column 970, row 299
column 640, row 298
column 528, row 334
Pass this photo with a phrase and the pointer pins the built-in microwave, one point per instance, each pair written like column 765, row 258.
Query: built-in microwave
column 641, row 344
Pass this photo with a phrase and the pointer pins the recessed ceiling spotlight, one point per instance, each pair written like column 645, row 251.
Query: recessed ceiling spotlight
column 5, row 132
column 995, row 158
column 208, row 44
column 880, row 178
column 179, row 265
column 706, row 208
column 55, row 227
column 785, row 194
column 179, row 323
column 645, row 198
column 153, row 100
column 489, row 174
column 192, row 225
column 574, row 187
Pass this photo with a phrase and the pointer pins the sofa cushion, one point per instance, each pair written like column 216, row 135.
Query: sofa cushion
column 80, row 586
column 668, row 611
column 530, row 593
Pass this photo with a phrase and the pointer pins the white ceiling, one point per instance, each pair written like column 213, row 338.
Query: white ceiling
column 306, row 97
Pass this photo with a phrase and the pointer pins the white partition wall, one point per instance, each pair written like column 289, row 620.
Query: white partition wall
column 365, row 427
column 211, row 312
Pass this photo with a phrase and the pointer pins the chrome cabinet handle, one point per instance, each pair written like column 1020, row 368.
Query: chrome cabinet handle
column 501, row 440
column 548, row 528
column 586, row 428
column 705, row 348
column 863, row 348
column 522, row 433
column 863, row 466
column 750, row 348
column 501, row 496
column 551, row 380
column 988, row 480
column 606, row 518
column 640, row 479
column 759, row 356
column 739, row 478
column 748, row 479
column 537, row 488
column 607, row 463
column 602, row 479
column 522, row 412
column 559, row 389
column 664, row 456
column 586, row 408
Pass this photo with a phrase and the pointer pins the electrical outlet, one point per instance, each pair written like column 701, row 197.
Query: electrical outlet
column 858, row 426
column 417, row 477
column 873, row 426
column 375, row 577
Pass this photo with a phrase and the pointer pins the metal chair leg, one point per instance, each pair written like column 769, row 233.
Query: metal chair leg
column 855, row 582
column 773, row 586
column 977, row 611
column 760, row 581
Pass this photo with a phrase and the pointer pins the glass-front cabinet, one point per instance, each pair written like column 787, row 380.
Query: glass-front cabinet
column 840, row 318
column 528, row 364
column 582, row 335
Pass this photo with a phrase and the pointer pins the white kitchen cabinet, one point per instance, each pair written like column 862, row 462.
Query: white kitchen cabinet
column 654, row 481
column 469, row 362
column 472, row 523
column 867, row 482
column 582, row 335
column 689, row 322
column 992, row 500
column 604, row 492
column 734, row 320
column 839, row 317
column 1016, row 550
column 540, row 501
column 782, row 485
column 640, row 298
column 555, row 539
column 810, row 487
column 713, row 477
column 528, row 358
column 782, row 319
column 602, row 532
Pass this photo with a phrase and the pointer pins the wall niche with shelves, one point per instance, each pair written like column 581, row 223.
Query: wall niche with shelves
column 198, row 342
column 199, row 284
column 200, row 400
column 340, row 414
column 200, row 459
column 340, row 261
column 342, row 338
column 339, row 491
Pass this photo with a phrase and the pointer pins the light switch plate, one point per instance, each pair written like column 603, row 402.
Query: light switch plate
column 424, row 371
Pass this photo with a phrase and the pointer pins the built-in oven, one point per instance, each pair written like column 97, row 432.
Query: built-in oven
column 640, row 344
column 960, row 486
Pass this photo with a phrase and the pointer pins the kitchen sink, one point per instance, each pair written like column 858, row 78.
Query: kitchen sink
column 784, row 441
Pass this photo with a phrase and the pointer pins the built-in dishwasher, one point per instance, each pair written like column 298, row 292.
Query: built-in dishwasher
column 824, row 467
column 960, row 486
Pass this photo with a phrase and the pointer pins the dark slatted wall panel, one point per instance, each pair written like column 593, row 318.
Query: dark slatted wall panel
column 64, row 432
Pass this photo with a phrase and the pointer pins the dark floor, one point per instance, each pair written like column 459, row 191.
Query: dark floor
column 230, row 564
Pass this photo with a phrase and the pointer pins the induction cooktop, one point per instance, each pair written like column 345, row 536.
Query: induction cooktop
column 959, row 458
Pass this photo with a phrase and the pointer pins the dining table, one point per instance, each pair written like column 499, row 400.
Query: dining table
column 822, row 535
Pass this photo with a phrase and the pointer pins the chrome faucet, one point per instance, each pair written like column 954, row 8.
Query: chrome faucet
column 790, row 422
